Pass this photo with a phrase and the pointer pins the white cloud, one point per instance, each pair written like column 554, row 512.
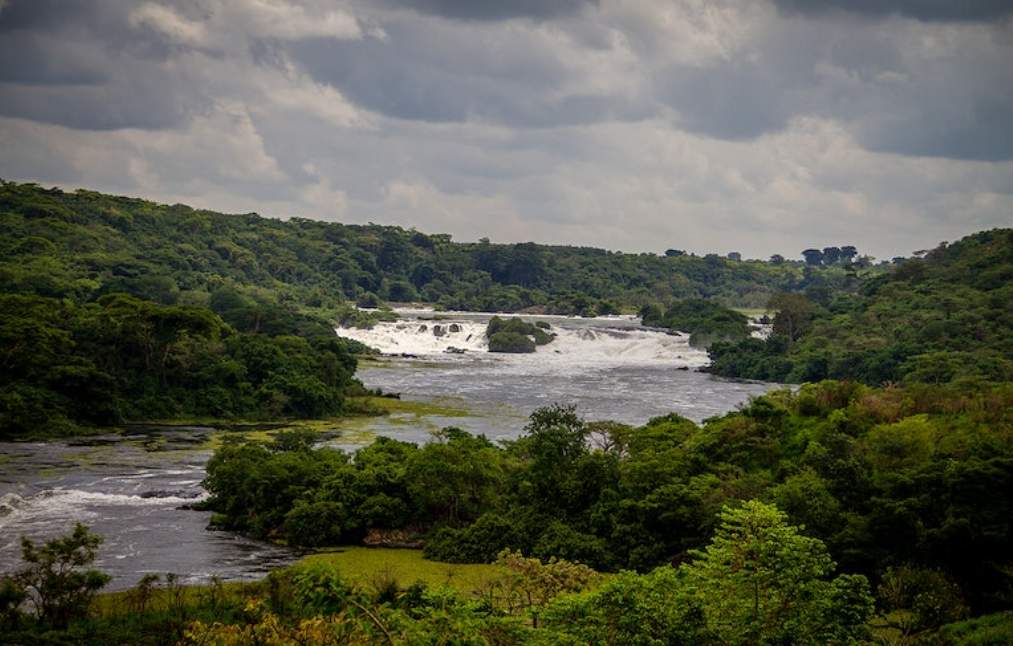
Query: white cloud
column 288, row 21
column 223, row 22
column 170, row 24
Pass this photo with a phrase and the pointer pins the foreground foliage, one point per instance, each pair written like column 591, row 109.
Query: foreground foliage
column 54, row 582
column 896, row 482
column 757, row 571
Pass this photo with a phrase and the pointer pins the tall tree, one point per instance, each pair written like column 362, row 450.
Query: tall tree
column 762, row 582
column 812, row 256
column 794, row 315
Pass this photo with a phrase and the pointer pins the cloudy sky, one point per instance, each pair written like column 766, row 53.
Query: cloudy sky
column 709, row 125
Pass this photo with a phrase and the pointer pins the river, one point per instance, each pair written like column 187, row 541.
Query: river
column 130, row 487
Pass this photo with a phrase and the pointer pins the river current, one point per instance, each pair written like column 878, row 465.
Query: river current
column 130, row 488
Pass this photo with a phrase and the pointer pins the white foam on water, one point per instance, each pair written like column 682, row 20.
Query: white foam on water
column 418, row 337
column 73, row 504
column 579, row 344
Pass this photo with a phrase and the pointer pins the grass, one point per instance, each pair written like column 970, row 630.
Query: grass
column 363, row 566
column 417, row 408
column 753, row 312
column 366, row 565
column 162, row 597
column 351, row 429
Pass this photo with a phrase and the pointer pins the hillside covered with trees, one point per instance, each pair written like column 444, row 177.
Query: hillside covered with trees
column 944, row 317
column 82, row 245
column 116, row 309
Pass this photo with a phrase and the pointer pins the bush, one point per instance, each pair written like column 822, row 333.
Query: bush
column 511, row 342
column 480, row 542
column 54, row 581
column 315, row 524
column 534, row 332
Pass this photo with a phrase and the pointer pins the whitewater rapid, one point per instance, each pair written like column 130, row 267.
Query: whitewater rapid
column 134, row 498
column 580, row 344
column 608, row 367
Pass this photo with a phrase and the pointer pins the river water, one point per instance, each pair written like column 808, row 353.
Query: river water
column 130, row 488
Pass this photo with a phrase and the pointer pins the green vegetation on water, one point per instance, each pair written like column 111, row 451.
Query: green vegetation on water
column 705, row 321
column 516, row 335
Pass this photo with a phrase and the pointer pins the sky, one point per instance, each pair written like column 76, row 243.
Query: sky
column 758, row 126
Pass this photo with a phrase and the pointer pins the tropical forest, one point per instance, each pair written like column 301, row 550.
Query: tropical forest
column 506, row 323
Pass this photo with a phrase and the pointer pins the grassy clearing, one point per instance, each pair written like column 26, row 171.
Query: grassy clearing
column 441, row 408
column 752, row 312
column 368, row 565
column 163, row 597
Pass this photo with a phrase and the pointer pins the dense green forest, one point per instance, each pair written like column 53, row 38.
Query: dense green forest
column 123, row 358
column 84, row 244
column 947, row 316
column 873, row 502
column 117, row 309
column 911, row 482
column 705, row 321
column 837, row 513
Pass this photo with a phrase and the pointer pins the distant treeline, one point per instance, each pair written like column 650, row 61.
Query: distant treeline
column 84, row 244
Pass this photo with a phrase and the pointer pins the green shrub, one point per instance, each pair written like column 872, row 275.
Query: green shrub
column 511, row 342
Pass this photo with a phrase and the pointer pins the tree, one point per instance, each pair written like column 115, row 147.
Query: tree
column 918, row 600
column 762, row 582
column 794, row 315
column 813, row 256
column 555, row 438
column 831, row 255
column 529, row 584
column 848, row 252
column 54, row 580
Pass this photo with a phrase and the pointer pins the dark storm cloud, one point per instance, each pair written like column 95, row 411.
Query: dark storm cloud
column 78, row 63
column 139, row 104
column 450, row 75
column 980, row 131
column 616, row 123
column 104, row 23
column 947, row 100
column 27, row 58
column 927, row 10
column 494, row 9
